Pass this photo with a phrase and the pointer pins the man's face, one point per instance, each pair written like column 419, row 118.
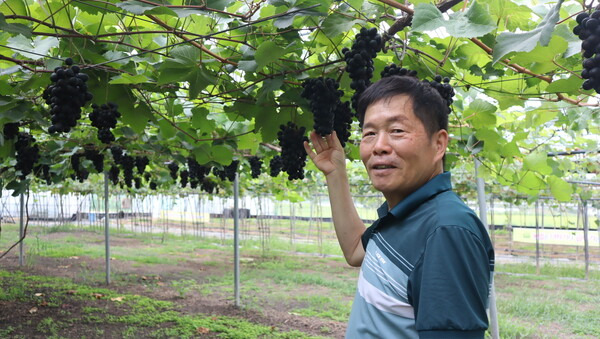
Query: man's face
column 397, row 152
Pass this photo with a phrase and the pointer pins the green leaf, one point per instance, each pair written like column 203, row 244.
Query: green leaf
column 537, row 162
column 336, row 24
column 200, row 120
column 139, row 8
column 138, row 118
column 14, row 28
column 199, row 79
column 268, row 88
column 39, row 47
column 267, row 53
column 473, row 22
column 508, row 42
column 571, row 84
column 248, row 65
column 560, row 189
column 129, row 79
column 221, row 154
column 481, row 114
column 202, row 153
column 249, row 141
column 530, row 184
column 167, row 131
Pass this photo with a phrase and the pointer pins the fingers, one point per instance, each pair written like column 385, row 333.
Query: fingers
column 334, row 141
column 319, row 143
column 309, row 151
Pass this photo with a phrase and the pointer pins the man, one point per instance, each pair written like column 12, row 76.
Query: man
column 427, row 262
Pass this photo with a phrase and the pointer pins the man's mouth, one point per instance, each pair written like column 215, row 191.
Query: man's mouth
column 383, row 166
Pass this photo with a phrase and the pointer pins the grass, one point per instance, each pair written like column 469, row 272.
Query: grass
column 156, row 317
column 556, row 303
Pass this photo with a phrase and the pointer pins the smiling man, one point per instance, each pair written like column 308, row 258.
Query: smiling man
column 427, row 262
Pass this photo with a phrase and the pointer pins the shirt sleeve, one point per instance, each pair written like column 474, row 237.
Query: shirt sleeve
column 449, row 287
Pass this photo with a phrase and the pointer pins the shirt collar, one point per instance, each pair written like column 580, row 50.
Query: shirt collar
column 440, row 183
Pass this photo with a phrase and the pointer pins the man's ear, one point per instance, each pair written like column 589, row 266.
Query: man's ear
column 440, row 139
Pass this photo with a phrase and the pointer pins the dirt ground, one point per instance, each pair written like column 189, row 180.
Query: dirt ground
column 152, row 281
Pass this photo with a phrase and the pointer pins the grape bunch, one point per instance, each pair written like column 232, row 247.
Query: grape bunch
column 393, row 69
column 291, row 139
column 27, row 154
column 96, row 158
column 342, row 121
column 227, row 172
column 117, row 153
column 104, row 118
column 255, row 166
column 10, row 130
column 67, row 94
column 141, row 163
column 173, row 169
column 359, row 60
column 113, row 174
column 197, row 172
column 183, row 178
column 43, row 172
column 323, row 95
column 275, row 166
column 442, row 85
column 81, row 174
column 208, row 186
column 588, row 30
column 127, row 164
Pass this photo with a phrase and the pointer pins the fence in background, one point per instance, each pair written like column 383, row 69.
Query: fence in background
column 546, row 229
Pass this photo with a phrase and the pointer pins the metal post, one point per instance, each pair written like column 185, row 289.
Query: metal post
column 586, row 244
column 236, row 239
column 537, row 238
column 483, row 215
column 106, row 230
column 21, row 228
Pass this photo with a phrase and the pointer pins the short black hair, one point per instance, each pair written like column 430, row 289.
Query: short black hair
column 428, row 104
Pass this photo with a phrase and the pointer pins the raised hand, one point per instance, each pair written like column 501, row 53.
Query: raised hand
column 328, row 154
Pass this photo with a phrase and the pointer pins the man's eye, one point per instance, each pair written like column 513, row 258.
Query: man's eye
column 397, row 130
column 368, row 134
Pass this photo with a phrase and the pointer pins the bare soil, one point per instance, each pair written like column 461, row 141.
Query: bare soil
column 147, row 280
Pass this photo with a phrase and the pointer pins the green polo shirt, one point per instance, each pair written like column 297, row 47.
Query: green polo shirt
column 427, row 269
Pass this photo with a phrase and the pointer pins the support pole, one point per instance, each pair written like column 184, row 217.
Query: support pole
column 537, row 237
column 236, row 239
column 586, row 243
column 106, row 230
column 494, row 331
column 21, row 228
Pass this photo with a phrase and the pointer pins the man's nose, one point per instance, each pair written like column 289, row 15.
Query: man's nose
column 382, row 144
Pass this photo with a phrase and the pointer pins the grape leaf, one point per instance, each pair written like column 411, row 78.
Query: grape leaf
column 14, row 28
column 473, row 22
column 508, row 42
